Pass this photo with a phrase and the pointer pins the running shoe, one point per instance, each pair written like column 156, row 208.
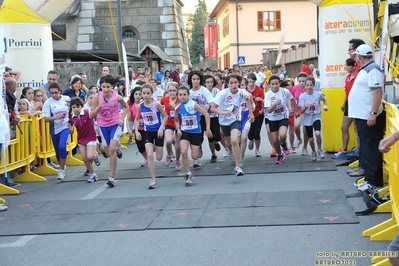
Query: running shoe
column 172, row 158
column 119, row 153
column 189, row 179
column 93, row 178
column 167, row 160
column 365, row 186
column 257, row 153
column 358, row 172
column 293, row 149
column 251, row 145
column 314, row 156
column 55, row 166
column 286, row 151
column 321, row 154
column 297, row 143
column 273, row 153
column 86, row 173
column 280, row 159
column 231, row 156
column 178, row 166
column 217, row 146
column 239, row 171
column 341, row 152
column 144, row 163
column 304, row 151
column 61, row 174
column 97, row 160
column 196, row 163
column 13, row 185
column 111, row 181
column 213, row 159
column 153, row 184
column 351, row 170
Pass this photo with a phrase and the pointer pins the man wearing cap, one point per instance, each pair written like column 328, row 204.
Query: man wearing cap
column 365, row 106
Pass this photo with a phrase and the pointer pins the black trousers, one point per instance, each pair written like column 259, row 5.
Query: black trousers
column 370, row 138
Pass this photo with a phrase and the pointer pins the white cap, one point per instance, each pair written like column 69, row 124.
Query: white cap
column 364, row 50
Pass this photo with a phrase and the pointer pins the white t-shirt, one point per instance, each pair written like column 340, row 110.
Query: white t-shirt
column 312, row 113
column 53, row 107
column 227, row 101
column 213, row 92
column 281, row 111
column 260, row 77
column 201, row 97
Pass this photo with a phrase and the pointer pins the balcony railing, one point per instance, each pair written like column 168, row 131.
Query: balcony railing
column 309, row 51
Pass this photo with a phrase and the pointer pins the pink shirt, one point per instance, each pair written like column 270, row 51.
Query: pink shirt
column 133, row 112
column 296, row 92
column 108, row 115
column 84, row 124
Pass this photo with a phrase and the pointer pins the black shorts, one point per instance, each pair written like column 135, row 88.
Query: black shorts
column 194, row 139
column 169, row 127
column 346, row 108
column 316, row 126
column 152, row 137
column 215, row 129
column 140, row 143
column 267, row 121
column 226, row 130
column 275, row 125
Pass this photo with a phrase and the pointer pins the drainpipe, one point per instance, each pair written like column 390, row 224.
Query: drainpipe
column 238, row 32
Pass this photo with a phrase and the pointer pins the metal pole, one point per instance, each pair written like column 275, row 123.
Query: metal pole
column 119, row 32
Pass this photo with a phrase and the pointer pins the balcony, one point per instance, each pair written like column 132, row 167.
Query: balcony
column 290, row 56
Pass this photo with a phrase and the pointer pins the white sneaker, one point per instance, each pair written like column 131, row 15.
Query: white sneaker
column 3, row 207
column 145, row 163
column 55, row 166
column 304, row 151
column 251, row 145
column 196, row 163
column 119, row 153
column 93, row 178
column 167, row 160
column 297, row 143
column 257, row 153
column 366, row 186
column 321, row 153
column 239, row 171
column 61, row 174
column 189, row 179
column 97, row 160
column 153, row 184
column 314, row 156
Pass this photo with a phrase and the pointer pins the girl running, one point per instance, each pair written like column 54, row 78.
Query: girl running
column 227, row 104
column 309, row 103
column 245, row 124
column 151, row 110
column 288, row 84
column 134, row 102
column 87, row 139
column 169, row 102
column 279, row 103
column 55, row 111
column 189, row 129
column 105, row 107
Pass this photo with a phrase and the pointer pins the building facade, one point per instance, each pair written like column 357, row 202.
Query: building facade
column 211, row 40
column 247, row 27
column 89, row 26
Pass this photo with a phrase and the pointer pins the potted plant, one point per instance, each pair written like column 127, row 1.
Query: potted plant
column 301, row 45
column 284, row 51
column 293, row 47
column 313, row 41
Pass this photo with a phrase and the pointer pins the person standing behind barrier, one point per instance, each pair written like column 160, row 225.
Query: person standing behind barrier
column 55, row 111
column 87, row 140
column 52, row 76
column 346, row 121
column 106, row 109
column 75, row 90
column 258, row 97
column 151, row 111
column 189, row 130
column 309, row 103
column 365, row 106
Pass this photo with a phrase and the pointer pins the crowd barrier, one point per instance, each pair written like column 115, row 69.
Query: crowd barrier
column 33, row 143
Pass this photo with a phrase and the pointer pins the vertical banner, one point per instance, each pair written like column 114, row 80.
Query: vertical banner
column 30, row 50
column 336, row 28
column 4, row 128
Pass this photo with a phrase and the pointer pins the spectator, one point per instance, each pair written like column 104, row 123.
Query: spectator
column 305, row 68
column 315, row 72
column 139, row 70
column 175, row 75
column 75, row 90
column 83, row 76
column 260, row 76
column 52, row 76
column 267, row 73
column 160, row 75
column 12, row 73
column 365, row 106
column 104, row 72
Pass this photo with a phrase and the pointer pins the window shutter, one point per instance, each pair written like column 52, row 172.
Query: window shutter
column 260, row 20
column 277, row 15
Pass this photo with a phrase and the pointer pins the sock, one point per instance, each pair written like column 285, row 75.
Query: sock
column 189, row 173
column 284, row 145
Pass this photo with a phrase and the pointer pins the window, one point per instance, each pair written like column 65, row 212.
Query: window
column 226, row 26
column 128, row 34
column 269, row 20
column 226, row 59
column 59, row 30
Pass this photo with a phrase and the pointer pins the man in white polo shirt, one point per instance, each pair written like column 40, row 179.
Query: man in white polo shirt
column 365, row 106
column 260, row 76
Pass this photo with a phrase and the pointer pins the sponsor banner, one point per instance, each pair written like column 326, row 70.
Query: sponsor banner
column 29, row 49
column 48, row 9
column 336, row 28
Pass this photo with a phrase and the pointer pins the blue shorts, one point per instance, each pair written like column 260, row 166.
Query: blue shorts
column 110, row 133
column 244, row 119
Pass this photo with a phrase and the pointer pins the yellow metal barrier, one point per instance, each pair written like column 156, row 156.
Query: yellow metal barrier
column 2, row 201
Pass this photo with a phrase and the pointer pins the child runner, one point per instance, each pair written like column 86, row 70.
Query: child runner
column 309, row 103
column 189, row 113
column 87, row 139
column 245, row 124
column 134, row 102
column 169, row 102
column 296, row 91
column 151, row 111
column 227, row 104
column 200, row 95
column 105, row 108
column 288, row 84
column 55, row 111
column 279, row 103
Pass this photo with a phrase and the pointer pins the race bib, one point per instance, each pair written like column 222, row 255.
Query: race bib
column 189, row 122
column 150, row 118
column 312, row 109
column 237, row 112
column 172, row 113
column 141, row 123
column 279, row 110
